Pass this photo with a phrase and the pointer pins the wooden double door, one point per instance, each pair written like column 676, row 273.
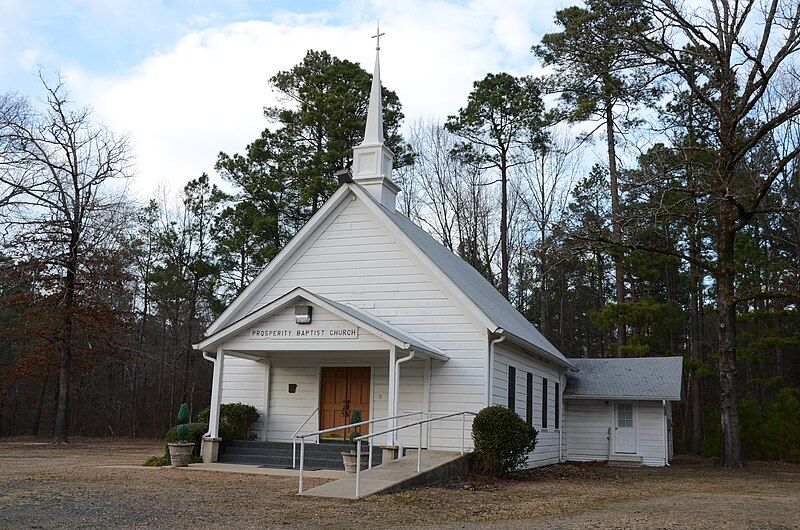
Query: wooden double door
column 343, row 389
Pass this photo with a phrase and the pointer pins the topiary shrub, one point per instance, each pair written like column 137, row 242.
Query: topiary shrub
column 182, row 429
column 355, row 417
column 502, row 441
column 235, row 420
column 194, row 434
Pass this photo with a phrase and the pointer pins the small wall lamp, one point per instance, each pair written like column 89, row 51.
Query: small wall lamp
column 302, row 314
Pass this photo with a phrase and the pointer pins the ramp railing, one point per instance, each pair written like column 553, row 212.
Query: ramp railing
column 302, row 438
column 419, row 423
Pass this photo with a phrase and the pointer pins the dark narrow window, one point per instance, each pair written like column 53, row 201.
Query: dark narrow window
column 512, row 386
column 557, row 423
column 544, row 403
column 529, row 399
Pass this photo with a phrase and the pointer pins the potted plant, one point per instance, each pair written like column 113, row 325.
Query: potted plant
column 350, row 458
column 180, row 452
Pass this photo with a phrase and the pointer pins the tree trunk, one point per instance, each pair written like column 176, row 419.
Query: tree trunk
column 726, row 311
column 696, row 353
column 504, row 225
column 65, row 358
column 615, row 222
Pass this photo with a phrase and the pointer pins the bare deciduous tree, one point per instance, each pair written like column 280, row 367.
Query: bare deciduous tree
column 57, row 167
column 739, row 59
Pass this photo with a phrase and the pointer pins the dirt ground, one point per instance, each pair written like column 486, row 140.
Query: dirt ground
column 47, row 486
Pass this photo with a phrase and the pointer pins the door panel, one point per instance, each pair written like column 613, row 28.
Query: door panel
column 342, row 390
column 625, row 428
column 358, row 391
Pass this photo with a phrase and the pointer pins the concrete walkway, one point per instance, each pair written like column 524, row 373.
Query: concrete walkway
column 249, row 470
column 396, row 475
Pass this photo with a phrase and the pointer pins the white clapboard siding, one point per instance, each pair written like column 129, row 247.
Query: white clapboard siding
column 651, row 432
column 546, row 451
column 589, row 423
column 244, row 381
column 355, row 259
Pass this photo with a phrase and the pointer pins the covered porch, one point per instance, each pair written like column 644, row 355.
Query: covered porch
column 307, row 362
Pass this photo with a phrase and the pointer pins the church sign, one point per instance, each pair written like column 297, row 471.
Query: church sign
column 264, row 333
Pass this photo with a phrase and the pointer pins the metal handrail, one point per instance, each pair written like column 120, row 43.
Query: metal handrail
column 303, row 437
column 294, row 437
column 419, row 447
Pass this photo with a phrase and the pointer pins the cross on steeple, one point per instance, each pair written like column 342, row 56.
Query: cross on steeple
column 378, row 36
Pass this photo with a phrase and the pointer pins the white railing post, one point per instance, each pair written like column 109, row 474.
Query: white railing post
column 463, row 429
column 369, row 447
column 419, row 447
column 358, row 467
column 294, row 453
column 302, row 456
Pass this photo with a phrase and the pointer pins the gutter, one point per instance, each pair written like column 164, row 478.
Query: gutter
column 538, row 349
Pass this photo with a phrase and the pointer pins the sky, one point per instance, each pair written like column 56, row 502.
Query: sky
column 188, row 79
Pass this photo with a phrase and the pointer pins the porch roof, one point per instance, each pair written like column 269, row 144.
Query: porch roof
column 390, row 333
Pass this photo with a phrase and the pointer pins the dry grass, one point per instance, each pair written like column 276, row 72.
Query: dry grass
column 43, row 485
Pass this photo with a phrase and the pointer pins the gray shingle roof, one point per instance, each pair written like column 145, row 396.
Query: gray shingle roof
column 475, row 286
column 639, row 378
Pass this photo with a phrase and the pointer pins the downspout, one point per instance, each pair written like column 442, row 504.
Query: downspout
column 666, row 440
column 491, row 365
column 561, row 418
column 396, row 397
column 213, row 361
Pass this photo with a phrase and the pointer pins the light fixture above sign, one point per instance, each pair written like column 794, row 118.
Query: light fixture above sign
column 302, row 314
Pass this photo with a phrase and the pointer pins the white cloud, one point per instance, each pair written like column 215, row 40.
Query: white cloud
column 206, row 93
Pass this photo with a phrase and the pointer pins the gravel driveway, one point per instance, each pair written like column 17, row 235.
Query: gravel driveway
column 47, row 486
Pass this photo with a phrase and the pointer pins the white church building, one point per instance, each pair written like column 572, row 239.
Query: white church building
column 363, row 310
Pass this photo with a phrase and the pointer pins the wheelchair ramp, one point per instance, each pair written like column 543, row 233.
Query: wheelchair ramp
column 397, row 475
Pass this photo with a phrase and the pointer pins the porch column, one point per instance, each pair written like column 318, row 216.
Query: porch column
column 216, row 395
column 390, row 409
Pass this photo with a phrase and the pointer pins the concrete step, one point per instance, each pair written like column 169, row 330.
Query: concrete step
column 308, row 463
column 279, row 454
column 310, row 449
column 625, row 461
column 397, row 475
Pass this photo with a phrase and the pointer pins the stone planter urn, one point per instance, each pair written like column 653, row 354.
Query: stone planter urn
column 350, row 458
column 180, row 454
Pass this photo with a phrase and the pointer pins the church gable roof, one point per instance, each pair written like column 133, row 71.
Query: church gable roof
column 476, row 292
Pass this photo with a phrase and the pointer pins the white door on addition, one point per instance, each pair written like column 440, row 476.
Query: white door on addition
column 625, row 429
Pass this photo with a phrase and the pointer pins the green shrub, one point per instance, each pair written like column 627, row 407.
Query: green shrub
column 195, row 432
column 355, row 417
column 183, row 420
column 235, row 420
column 502, row 441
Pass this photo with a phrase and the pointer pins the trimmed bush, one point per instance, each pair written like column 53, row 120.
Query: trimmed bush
column 235, row 420
column 195, row 432
column 183, row 423
column 355, row 418
column 502, row 441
